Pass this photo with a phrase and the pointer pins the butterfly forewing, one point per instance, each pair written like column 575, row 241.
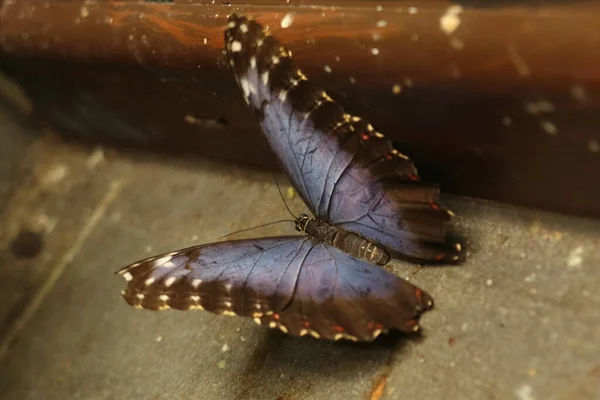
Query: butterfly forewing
column 295, row 284
column 348, row 173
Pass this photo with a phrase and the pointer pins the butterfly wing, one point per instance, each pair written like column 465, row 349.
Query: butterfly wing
column 346, row 172
column 296, row 284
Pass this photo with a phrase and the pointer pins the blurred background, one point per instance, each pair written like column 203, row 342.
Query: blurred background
column 124, row 135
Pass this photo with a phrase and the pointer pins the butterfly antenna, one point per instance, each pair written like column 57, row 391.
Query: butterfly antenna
column 282, row 198
column 255, row 227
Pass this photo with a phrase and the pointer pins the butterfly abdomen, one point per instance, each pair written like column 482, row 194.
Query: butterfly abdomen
column 348, row 242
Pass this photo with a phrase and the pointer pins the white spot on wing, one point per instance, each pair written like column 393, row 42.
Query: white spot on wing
column 245, row 87
column 170, row 281
column 265, row 78
column 162, row 260
column 196, row 283
column 251, row 88
column 149, row 281
column 127, row 276
column 253, row 62
column 230, row 24
column 243, row 28
column 163, row 297
column 236, row 46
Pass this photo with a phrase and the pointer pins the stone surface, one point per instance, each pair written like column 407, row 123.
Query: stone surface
column 518, row 320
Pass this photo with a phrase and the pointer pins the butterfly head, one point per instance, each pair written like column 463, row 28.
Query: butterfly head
column 301, row 222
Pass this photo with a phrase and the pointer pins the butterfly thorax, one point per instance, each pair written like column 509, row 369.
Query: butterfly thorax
column 348, row 242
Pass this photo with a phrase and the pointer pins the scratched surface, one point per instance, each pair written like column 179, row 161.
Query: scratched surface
column 498, row 102
column 518, row 320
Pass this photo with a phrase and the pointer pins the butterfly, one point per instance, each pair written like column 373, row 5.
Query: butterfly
column 368, row 204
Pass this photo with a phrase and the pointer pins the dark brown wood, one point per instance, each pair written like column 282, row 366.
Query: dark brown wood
column 498, row 102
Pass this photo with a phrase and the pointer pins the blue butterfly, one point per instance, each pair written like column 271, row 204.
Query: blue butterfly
column 368, row 204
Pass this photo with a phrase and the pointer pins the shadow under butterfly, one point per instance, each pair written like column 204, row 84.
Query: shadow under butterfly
column 368, row 202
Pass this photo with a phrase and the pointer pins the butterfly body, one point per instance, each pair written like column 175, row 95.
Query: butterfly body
column 348, row 242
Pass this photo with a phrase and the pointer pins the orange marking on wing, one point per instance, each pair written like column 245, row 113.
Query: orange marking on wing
column 418, row 293
column 411, row 323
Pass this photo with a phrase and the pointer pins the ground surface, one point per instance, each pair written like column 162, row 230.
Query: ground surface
column 519, row 320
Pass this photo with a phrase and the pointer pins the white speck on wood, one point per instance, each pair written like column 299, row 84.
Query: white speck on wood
column 549, row 127
column 457, row 44
column 450, row 21
column 287, row 20
column 518, row 61
column 579, row 93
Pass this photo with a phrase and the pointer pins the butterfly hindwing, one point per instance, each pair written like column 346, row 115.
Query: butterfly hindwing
column 347, row 173
column 296, row 284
